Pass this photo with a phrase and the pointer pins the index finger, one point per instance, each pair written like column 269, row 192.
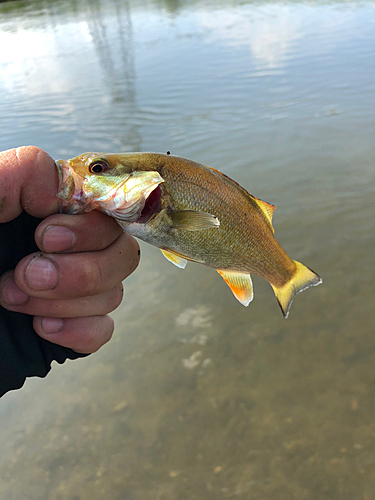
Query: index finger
column 76, row 233
column 29, row 182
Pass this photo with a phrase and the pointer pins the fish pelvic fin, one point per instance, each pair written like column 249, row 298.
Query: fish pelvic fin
column 303, row 278
column 174, row 258
column 240, row 284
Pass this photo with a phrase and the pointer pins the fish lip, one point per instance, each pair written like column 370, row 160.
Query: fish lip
column 66, row 185
column 63, row 175
column 70, row 193
column 58, row 164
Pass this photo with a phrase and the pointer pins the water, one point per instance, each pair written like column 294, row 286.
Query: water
column 197, row 397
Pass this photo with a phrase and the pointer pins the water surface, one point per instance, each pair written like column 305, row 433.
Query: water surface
column 196, row 396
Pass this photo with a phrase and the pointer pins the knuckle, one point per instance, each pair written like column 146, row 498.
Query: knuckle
column 30, row 154
column 101, row 333
column 91, row 277
column 33, row 151
column 112, row 229
column 132, row 256
column 110, row 328
column 30, row 151
column 137, row 255
column 116, row 299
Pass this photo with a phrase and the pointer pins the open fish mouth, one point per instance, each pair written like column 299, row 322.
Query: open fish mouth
column 151, row 207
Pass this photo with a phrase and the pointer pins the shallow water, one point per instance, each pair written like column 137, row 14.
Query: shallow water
column 196, row 396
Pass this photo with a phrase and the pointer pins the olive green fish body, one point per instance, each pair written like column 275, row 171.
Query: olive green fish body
column 244, row 240
column 191, row 212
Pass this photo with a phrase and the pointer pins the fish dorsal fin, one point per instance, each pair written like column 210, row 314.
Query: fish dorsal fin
column 189, row 220
column 266, row 208
column 240, row 284
column 175, row 259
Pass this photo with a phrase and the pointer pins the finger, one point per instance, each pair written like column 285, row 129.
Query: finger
column 10, row 294
column 29, row 182
column 13, row 299
column 83, row 335
column 70, row 276
column 76, row 233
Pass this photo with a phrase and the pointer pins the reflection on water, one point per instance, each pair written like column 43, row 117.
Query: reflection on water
column 196, row 396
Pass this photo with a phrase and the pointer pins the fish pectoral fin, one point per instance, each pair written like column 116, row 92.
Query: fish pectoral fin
column 189, row 220
column 175, row 259
column 240, row 284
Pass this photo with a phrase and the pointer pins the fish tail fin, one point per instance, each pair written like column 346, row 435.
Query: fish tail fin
column 303, row 278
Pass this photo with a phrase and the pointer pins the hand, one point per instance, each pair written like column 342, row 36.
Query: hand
column 69, row 293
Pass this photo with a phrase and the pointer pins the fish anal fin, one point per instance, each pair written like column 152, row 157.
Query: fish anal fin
column 240, row 284
column 189, row 220
column 177, row 260
column 303, row 278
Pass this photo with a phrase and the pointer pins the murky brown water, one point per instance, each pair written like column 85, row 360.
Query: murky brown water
column 197, row 397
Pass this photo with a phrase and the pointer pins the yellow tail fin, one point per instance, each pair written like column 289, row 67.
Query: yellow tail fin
column 302, row 279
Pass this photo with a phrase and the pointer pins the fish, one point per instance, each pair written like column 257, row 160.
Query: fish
column 190, row 211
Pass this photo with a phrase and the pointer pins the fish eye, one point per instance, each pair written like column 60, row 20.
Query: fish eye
column 98, row 167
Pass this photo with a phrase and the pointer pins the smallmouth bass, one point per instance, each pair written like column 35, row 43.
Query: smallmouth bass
column 191, row 212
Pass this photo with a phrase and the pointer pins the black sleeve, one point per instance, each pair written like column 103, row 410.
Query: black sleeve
column 22, row 352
